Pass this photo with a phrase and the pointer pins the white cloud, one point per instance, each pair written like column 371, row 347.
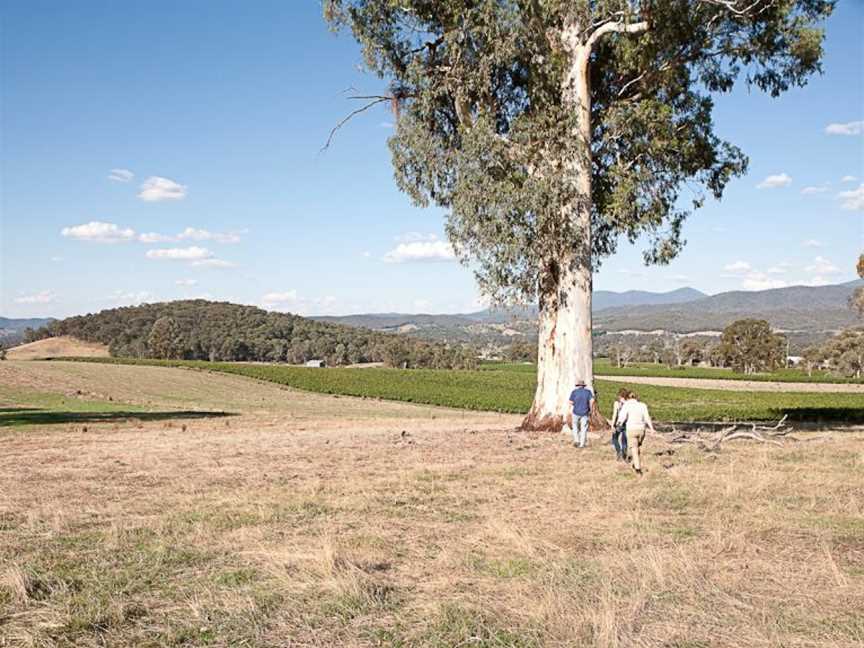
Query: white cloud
column 822, row 266
column 279, row 298
column 153, row 237
column 193, row 253
column 420, row 251
column 680, row 278
column 156, row 189
column 43, row 297
column 121, row 175
column 204, row 235
column 759, row 281
column 849, row 128
column 812, row 243
column 293, row 301
column 817, row 281
column 123, row 298
column 853, row 200
column 775, row 181
column 413, row 237
column 99, row 232
column 56, row 259
column 738, row 267
column 191, row 234
column 187, row 282
column 848, row 178
column 367, row 254
column 214, row 263
column 808, row 191
column 780, row 268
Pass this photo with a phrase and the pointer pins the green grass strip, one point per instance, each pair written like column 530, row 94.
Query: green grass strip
column 602, row 367
column 512, row 391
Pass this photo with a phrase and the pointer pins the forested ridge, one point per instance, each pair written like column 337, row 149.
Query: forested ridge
column 221, row 331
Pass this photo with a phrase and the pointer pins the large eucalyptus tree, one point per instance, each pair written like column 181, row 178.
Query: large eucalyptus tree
column 549, row 129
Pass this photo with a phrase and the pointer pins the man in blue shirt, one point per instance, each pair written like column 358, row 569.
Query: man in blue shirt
column 581, row 399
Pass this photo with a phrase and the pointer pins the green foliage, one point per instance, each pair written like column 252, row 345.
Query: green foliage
column 522, row 352
column 165, row 339
column 219, row 331
column 605, row 367
column 486, row 120
column 857, row 300
column 512, row 391
column 749, row 345
column 842, row 355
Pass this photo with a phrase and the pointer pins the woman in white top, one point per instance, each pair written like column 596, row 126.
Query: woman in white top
column 636, row 418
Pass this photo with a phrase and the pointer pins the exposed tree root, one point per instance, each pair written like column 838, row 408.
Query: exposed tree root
column 535, row 423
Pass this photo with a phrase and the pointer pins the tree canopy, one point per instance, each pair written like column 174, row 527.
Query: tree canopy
column 749, row 345
column 484, row 129
column 858, row 297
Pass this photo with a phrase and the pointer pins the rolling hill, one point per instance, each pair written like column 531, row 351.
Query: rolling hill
column 509, row 320
column 198, row 329
column 809, row 312
column 812, row 309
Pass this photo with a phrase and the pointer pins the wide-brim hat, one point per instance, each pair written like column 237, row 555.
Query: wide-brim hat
column 580, row 383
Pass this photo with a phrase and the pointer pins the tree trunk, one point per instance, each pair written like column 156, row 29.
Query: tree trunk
column 564, row 353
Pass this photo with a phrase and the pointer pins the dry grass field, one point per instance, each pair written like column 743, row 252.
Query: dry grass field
column 57, row 347
column 311, row 520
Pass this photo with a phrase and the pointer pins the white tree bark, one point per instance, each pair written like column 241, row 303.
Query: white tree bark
column 564, row 353
column 565, row 348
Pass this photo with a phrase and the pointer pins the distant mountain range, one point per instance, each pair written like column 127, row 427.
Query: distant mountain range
column 811, row 310
column 807, row 313
column 12, row 330
column 796, row 308
column 602, row 299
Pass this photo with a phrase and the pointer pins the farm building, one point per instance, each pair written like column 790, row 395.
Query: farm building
column 316, row 363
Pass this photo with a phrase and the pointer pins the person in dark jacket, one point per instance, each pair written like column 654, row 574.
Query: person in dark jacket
column 581, row 399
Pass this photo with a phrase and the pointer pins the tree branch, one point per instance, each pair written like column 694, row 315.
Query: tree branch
column 375, row 101
column 738, row 8
column 615, row 27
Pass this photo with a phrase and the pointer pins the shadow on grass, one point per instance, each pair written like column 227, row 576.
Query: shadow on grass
column 834, row 415
column 10, row 417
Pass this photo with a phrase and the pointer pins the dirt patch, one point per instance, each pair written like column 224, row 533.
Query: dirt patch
column 57, row 347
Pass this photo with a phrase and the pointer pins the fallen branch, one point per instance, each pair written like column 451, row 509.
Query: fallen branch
column 710, row 441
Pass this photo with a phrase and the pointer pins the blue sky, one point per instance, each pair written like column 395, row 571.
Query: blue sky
column 167, row 150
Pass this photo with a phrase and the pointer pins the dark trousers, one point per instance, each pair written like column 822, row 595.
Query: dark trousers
column 619, row 441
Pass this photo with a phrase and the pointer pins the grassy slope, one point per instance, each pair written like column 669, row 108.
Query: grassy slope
column 24, row 407
column 511, row 391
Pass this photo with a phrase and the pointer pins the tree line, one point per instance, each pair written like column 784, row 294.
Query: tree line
column 221, row 331
column 746, row 346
